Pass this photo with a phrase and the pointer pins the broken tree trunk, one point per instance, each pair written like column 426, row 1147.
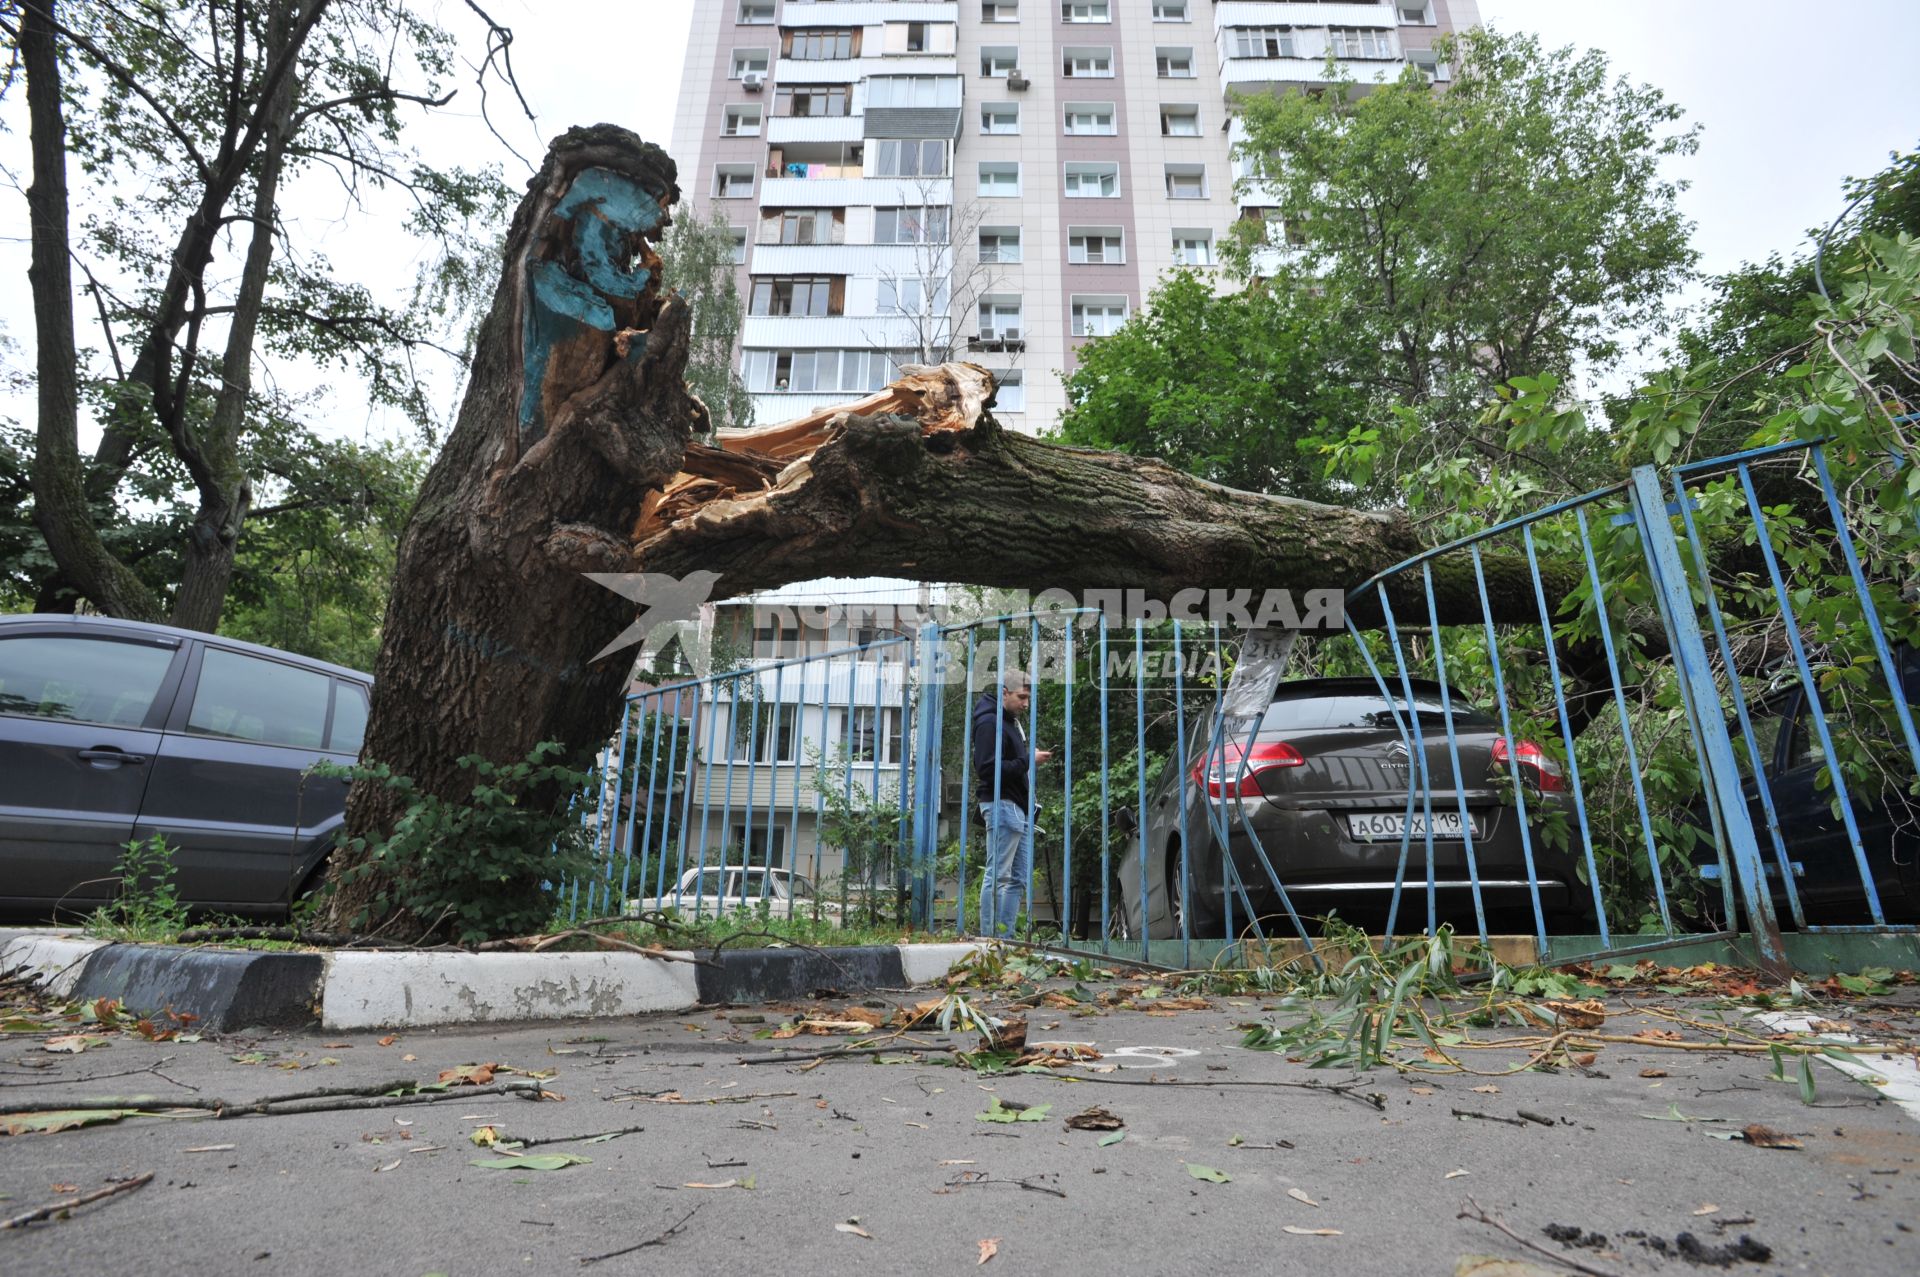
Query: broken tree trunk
column 577, row 407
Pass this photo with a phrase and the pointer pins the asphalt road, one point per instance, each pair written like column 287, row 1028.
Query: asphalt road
column 898, row 1149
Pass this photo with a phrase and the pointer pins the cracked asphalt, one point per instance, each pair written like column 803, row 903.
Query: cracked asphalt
column 880, row 1164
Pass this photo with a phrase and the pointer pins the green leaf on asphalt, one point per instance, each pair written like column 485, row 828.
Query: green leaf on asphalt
column 998, row 1112
column 60, row 1120
column 1673, row 1114
column 1806, row 1079
column 1208, row 1174
column 531, row 1162
column 1112, row 1137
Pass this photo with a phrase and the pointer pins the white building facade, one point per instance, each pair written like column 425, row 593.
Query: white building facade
column 995, row 180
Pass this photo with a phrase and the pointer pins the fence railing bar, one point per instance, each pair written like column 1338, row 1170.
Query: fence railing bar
column 1419, row 759
column 1453, row 755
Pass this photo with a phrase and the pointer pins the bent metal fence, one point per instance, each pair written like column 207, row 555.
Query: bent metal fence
column 1663, row 710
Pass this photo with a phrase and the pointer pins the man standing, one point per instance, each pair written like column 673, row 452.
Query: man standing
column 1000, row 763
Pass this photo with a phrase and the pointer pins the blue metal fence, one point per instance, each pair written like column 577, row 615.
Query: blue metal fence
column 1634, row 742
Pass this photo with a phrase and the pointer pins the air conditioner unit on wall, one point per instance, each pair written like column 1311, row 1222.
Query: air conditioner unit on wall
column 1016, row 81
column 752, row 81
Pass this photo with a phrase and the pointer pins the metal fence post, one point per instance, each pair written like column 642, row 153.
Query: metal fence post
column 926, row 775
column 1675, row 597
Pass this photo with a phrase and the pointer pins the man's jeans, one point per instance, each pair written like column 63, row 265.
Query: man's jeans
column 1003, row 892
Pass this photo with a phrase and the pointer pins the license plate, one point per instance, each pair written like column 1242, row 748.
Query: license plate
column 1378, row 826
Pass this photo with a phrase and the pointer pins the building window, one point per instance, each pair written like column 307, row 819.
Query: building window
column 808, row 101
column 910, row 157
column 1000, row 11
column 821, row 371
column 749, row 62
column 1096, row 246
column 1362, row 42
column 997, row 62
column 1173, row 64
column 1000, row 244
column 999, row 319
column 913, row 90
column 1192, row 247
column 1416, row 15
column 732, row 181
column 1170, row 11
column 823, row 45
column 912, row 224
column 1180, row 121
column 861, row 741
column 1090, row 119
column 1262, row 42
column 1186, row 181
column 1093, row 181
column 823, row 296
column 1428, row 63
column 1098, row 316
column 1000, row 117
column 741, row 121
column 755, row 13
column 1085, row 11
column 1010, row 390
column 775, row 635
column 739, row 234
column 798, row 226
column 908, row 296
column 1000, row 180
column 1087, row 64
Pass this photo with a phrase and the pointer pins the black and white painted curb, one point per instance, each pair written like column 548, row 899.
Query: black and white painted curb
column 230, row 989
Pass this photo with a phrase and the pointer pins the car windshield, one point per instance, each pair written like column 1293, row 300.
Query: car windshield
column 1350, row 707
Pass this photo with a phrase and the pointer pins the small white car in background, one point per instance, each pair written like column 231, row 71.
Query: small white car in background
column 712, row 891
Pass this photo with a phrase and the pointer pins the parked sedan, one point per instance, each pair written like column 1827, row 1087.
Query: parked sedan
column 114, row 731
column 1324, row 785
column 714, row 890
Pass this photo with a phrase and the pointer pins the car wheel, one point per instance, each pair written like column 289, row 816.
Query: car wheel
column 1184, row 915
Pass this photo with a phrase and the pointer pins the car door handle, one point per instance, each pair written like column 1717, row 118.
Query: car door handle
column 108, row 753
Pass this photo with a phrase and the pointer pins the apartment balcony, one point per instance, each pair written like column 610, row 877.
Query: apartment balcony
column 770, row 408
column 814, row 128
column 861, row 15
column 1260, row 75
column 876, row 260
column 838, row 192
column 853, row 70
column 1246, row 13
column 829, row 332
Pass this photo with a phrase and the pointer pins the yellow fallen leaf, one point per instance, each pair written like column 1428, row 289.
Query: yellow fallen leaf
column 1706, row 1208
column 989, row 1247
column 1456, row 1174
column 1299, row 1196
column 851, row 1227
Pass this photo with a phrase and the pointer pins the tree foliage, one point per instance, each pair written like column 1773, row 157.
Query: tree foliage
column 700, row 267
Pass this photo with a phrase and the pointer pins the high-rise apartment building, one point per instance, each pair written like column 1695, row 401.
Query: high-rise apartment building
column 995, row 180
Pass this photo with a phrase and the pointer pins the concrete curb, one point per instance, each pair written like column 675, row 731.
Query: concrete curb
column 232, row 989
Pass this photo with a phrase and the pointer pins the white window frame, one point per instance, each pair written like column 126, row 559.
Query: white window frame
column 998, row 169
column 1428, row 62
column 1080, row 12
column 735, row 114
column 999, row 254
column 1100, row 308
column 1097, row 59
column 724, row 184
column 1362, row 43
column 743, row 59
column 1192, row 246
column 1424, row 11
column 997, row 11
column 753, row 13
column 998, row 61
column 1000, row 318
column 1096, row 246
column 1172, row 11
column 1077, row 173
column 1180, row 111
column 1007, row 380
column 992, row 113
column 913, row 288
column 1093, row 114
column 1181, row 189
column 1168, row 61
column 739, row 234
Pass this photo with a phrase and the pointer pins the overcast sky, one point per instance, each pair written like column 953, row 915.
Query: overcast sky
column 1788, row 106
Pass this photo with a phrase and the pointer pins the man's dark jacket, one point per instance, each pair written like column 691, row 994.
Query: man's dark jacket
column 1012, row 752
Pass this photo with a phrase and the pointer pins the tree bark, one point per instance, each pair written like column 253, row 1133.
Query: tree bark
column 60, row 507
column 577, row 407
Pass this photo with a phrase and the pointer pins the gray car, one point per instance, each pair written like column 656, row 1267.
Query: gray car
column 113, row 731
column 1324, row 786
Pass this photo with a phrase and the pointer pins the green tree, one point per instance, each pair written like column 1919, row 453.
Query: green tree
column 700, row 267
column 1234, row 388
column 187, row 126
column 1513, row 224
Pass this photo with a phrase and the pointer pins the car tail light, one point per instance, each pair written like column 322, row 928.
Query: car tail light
column 1546, row 772
column 1237, row 774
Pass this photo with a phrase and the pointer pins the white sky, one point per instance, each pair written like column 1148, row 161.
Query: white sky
column 1792, row 96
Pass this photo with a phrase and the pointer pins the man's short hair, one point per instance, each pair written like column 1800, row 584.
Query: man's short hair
column 1013, row 679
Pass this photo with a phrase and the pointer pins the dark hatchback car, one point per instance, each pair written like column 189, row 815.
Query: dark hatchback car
column 1324, row 784
column 1826, row 876
column 113, row 731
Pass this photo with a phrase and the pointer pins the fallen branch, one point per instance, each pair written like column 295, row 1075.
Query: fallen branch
column 1345, row 1090
column 804, row 1057
column 1481, row 1216
column 1488, row 1117
column 318, row 939
column 674, row 1097
column 538, row 944
column 153, row 1068
column 658, row 1239
column 569, row 1139
column 333, row 1098
column 1018, row 1183
column 51, row 1209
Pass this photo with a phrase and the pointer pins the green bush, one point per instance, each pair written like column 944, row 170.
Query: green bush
column 148, row 905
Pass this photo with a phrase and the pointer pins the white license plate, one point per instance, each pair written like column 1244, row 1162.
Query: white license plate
column 1378, row 826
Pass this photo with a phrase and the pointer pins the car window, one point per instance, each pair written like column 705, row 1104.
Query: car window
column 1767, row 722
column 802, row 888
column 1805, row 750
column 81, row 680
column 349, row 717
column 1349, row 709
column 706, row 884
column 265, row 701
